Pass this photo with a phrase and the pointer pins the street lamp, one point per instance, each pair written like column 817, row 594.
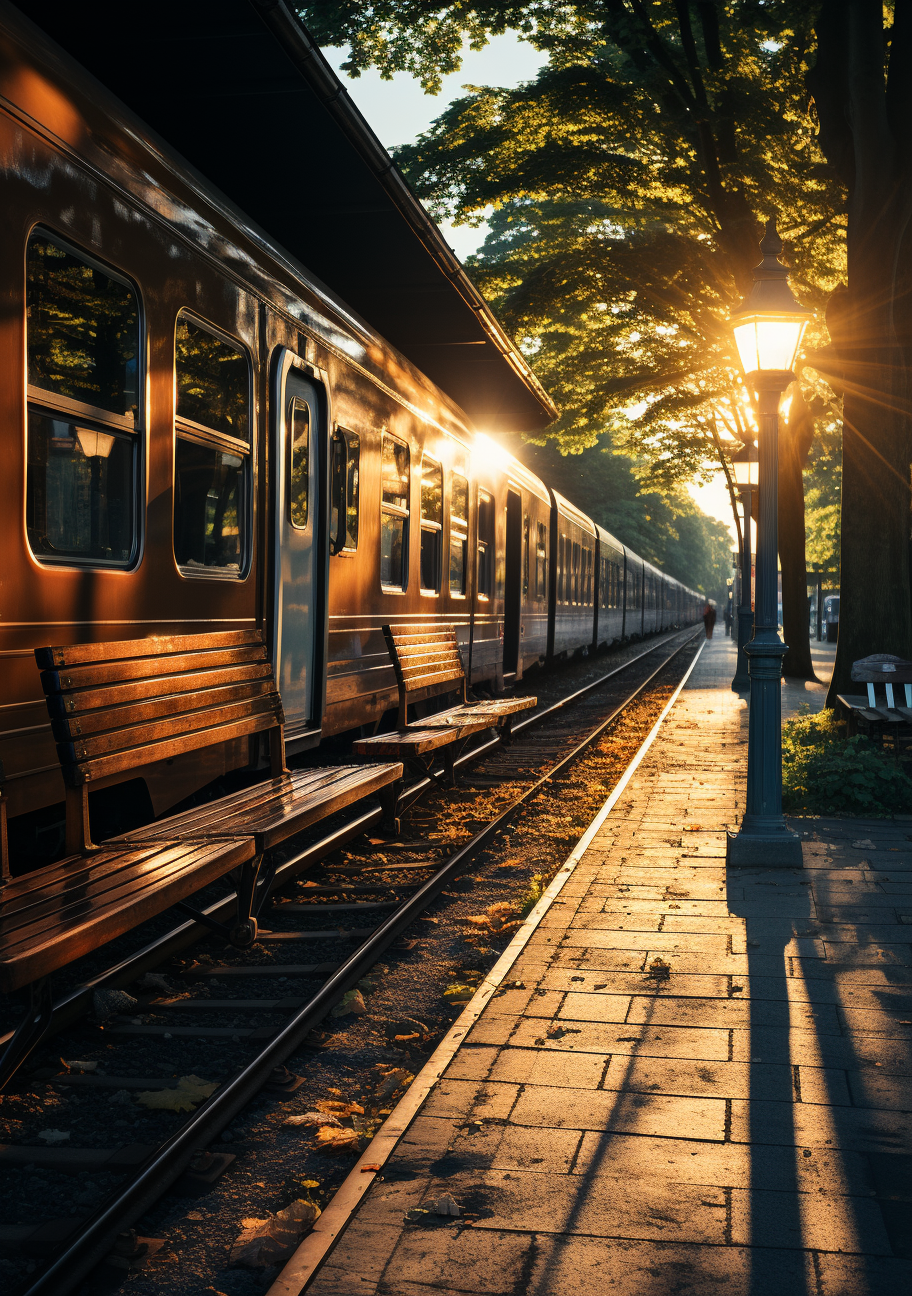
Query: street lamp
column 768, row 327
column 745, row 466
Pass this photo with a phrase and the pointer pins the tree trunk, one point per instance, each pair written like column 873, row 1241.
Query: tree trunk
column 795, row 436
column 864, row 133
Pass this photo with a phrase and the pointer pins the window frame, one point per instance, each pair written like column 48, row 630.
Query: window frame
column 210, row 438
column 541, row 562
column 485, row 548
column 396, row 510
column 458, row 530
column 430, row 591
column 70, row 408
column 344, row 435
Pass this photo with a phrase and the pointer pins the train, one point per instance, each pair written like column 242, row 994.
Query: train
column 201, row 433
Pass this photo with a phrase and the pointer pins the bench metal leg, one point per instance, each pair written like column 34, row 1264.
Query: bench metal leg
column 30, row 1032
column 389, row 801
column 449, row 767
column 506, row 733
column 252, row 881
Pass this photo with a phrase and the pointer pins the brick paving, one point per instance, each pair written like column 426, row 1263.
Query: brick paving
column 703, row 1084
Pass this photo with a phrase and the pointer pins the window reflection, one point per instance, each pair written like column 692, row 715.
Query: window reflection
column 459, row 534
column 394, row 513
column 208, row 507
column 213, row 381
column 345, row 488
column 431, row 525
column 300, row 463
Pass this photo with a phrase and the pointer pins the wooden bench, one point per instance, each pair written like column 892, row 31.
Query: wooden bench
column 866, row 714
column 428, row 664
column 116, row 707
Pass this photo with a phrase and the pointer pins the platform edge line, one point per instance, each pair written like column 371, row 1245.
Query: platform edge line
column 316, row 1247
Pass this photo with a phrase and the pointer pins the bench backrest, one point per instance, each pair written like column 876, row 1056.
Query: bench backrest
column 427, row 663
column 882, row 668
column 4, row 842
column 118, row 706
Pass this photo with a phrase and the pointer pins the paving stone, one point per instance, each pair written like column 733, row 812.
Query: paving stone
column 634, row 1113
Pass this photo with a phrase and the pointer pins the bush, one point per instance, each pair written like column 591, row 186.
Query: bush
column 825, row 773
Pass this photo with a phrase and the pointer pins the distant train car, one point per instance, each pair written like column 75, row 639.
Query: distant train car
column 609, row 624
column 573, row 551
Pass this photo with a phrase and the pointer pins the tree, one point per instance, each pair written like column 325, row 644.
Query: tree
column 862, row 88
column 626, row 182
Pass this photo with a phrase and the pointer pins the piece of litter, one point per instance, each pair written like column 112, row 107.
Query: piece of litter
column 154, row 981
column 79, row 1066
column 263, row 1243
column 443, row 1208
column 370, row 1169
column 188, row 1093
column 54, row 1136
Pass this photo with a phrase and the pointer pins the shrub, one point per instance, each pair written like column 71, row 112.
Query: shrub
column 825, row 773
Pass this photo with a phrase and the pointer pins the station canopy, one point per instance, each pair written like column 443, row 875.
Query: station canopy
column 241, row 91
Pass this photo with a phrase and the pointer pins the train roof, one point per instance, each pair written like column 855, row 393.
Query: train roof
column 574, row 514
column 241, row 91
column 606, row 538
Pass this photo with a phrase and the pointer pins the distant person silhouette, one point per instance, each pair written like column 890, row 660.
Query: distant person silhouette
column 728, row 618
column 709, row 619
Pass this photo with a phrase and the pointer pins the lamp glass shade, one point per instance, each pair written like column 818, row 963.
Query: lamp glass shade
column 746, row 470
column 768, row 343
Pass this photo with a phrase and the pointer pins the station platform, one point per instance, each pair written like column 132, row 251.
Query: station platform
column 680, row 1078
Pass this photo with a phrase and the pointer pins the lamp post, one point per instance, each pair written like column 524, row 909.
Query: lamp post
column 768, row 327
column 745, row 467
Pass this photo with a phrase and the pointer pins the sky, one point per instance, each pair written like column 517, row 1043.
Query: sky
column 399, row 110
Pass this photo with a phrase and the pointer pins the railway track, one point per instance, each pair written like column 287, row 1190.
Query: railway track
column 329, row 938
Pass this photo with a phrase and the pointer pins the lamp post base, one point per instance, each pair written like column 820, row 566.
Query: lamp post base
column 764, row 848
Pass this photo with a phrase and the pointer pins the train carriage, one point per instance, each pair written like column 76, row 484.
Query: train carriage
column 199, row 434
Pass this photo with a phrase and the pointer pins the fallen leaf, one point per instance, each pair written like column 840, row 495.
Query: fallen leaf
column 338, row 1142
column 392, row 1081
column 369, row 1169
column 54, row 1136
column 263, row 1243
column 350, row 1003
column 79, row 1066
column 189, row 1092
column 338, row 1108
column 315, row 1119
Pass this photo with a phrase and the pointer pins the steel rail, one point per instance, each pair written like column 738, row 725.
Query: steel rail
column 170, row 1160
column 77, row 1001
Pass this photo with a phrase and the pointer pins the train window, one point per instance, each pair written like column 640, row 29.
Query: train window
column 213, row 381
column 345, row 472
column 431, row 525
column 212, row 461
column 395, row 477
column 525, row 578
column 589, row 578
column 299, row 477
column 541, row 562
column 485, row 545
column 459, row 534
column 575, row 595
column 83, row 348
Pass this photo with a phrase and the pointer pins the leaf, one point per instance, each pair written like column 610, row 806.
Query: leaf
column 54, row 1135
column 338, row 1108
column 338, row 1142
column 350, row 1003
column 314, row 1119
column 190, row 1091
column 263, row 1243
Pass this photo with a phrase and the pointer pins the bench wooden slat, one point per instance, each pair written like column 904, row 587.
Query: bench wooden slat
column 81, row 654
column 72, row 727
column 174, row 873
column 86, row 749
column 79, row 677
column 272, row 811
column 416, row 740
column 104, row 766
column 86, row 700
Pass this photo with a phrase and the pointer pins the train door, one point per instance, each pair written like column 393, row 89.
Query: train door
column 299, row 627
column 513, row 583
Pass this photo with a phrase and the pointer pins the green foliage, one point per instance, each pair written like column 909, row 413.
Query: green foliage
column 532, row 894
column 822, row 487
column 623, row 187
column 825, row 773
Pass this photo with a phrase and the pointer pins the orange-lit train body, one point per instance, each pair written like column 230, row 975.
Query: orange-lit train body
column 198, row 435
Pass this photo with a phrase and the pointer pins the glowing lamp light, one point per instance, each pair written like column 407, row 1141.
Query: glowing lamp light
column 769, row 324
column 745, row 465
column 94, row 443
